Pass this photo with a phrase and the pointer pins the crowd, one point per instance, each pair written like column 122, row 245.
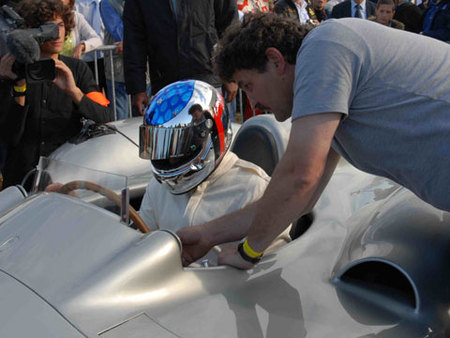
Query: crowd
column 157, row 43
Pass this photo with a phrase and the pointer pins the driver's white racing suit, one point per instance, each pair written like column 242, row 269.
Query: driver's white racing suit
column 234, row 184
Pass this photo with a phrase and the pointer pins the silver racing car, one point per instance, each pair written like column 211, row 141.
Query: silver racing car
column 372, row 260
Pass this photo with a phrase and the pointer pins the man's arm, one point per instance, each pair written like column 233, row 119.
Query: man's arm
column 296, row 184
column 90, row 40
column 13, row 111
column 6, row 74
column 332, row 161
column 65, row 81
column 198, row 240
column 83, row 91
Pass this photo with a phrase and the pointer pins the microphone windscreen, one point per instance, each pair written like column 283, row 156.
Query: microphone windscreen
column 46, row 32
column 23, row 46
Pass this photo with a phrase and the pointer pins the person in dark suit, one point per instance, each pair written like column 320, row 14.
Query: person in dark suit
column 177, row 39
column 353, row 8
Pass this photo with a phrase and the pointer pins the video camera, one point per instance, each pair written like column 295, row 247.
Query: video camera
column 23, row 44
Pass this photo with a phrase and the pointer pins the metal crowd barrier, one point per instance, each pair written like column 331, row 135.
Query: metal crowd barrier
column 109, row 50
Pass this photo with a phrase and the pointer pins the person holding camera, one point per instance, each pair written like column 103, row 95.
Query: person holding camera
column 38, row 117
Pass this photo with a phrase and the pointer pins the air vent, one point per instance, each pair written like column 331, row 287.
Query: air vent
column 384, row 279
column 300, row 226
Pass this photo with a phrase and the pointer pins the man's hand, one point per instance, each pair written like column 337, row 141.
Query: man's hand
column 78, row 51
column 119, row 49
column 6, row 63
column 195, row 245
column 230, row 256
column 54, row 187
column 230, row 90
column 64, row 80
column 139, row 102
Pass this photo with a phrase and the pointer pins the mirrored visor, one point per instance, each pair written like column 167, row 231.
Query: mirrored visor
column 160, row 143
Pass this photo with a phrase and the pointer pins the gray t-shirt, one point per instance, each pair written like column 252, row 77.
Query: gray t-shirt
column 393, row 89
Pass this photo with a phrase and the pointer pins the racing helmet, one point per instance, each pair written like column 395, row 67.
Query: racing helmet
column 186, row 133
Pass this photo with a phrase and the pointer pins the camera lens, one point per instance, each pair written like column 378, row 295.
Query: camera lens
column 41, row 70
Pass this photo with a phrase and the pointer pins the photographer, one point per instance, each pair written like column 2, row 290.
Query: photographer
column 38, row 117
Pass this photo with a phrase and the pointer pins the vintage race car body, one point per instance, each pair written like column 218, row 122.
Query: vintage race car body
column 374, row 262
column 99, row 153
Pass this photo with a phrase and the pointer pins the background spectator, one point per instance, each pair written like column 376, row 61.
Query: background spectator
column 111, row 11
column 318, row 7
column 423, row 5
column 353, row 8
column 244, row 7
column 251, row 6
column 409, row 14
column 329, row 6
column 384, row 14
column 90, row 9
column 177, row 39
column 296, row 9
column 82, row 38
column 436, row 20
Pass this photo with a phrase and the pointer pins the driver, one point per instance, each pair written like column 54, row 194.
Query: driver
column 186, row 135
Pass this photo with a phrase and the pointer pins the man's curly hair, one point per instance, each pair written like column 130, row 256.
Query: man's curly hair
column 36, row 12
column 243, row 45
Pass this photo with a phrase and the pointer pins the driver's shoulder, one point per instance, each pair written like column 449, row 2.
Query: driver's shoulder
column 246, row 168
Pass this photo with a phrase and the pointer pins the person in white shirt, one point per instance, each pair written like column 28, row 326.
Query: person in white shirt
column 83, row 38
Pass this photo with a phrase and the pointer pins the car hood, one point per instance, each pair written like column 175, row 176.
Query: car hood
column 24, row 313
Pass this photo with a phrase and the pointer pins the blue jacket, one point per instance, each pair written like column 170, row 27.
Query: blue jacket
column 112, row 20
column 436, row 20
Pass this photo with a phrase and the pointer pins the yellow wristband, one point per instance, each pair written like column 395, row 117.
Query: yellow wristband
column 20, row 89
column 249, row 251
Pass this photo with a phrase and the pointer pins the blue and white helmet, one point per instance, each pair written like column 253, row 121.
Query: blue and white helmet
column 186, row 133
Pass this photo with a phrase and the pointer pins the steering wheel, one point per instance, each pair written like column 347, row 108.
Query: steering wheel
column 74, row 185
